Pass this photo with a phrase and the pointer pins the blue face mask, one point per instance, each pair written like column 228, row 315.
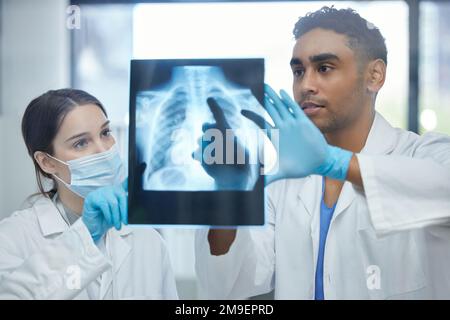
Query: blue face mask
column 94, row 171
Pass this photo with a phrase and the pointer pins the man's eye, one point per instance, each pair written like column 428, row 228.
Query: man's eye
column 298, row 73
column 80, row 144
column 324, row 68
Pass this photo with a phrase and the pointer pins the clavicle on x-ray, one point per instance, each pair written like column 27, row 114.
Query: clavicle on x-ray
column 169, row 120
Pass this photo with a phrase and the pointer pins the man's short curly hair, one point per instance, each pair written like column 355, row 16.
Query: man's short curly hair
column 364, row 37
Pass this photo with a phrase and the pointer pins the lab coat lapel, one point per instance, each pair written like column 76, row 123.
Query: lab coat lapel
column 309, row 193
column 50, row 220
column 120, row 246
column 118, row 250
column 382, row 137
column 381, row 140
column 345, row 199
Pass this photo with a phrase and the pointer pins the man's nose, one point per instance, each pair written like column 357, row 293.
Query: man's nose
column 308, row 85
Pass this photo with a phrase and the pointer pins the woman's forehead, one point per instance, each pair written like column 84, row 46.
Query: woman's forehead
column 85, row 118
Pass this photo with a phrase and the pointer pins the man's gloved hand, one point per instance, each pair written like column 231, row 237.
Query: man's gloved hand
column 229, row 174
column 302, row 149
column 105, row 208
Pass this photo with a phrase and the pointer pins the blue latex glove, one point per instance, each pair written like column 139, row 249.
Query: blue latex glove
column 233, row 176
column 105, row 208
column 302, row 148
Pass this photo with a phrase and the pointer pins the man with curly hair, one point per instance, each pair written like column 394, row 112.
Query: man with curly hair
column 358, row 209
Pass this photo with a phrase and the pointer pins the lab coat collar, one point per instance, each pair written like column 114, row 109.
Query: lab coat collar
column 382, row 137
column 116, row 243
column 51, row 222
column 381, row 140
column 310, row 193
column 124, row 231
column 50, row 219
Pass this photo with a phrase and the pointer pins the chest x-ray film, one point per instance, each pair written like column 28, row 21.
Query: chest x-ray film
column 194, row 158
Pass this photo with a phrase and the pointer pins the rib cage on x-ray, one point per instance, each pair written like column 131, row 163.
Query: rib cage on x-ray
column 180, row 106
column 172, row 115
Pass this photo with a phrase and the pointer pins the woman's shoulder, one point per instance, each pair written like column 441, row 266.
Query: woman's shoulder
column 26, row 217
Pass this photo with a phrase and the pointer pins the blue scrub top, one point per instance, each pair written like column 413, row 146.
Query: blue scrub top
column 326, row 214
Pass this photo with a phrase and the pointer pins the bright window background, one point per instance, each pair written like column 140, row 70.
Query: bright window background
column 434, row 68
column 225, row 30
column 111, row 35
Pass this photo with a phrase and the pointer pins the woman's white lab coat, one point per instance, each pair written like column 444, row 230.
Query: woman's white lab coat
column 390, row 241
column 41, row 257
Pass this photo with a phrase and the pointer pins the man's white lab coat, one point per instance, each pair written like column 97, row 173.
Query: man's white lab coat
column 389, row 241
column 41, row 257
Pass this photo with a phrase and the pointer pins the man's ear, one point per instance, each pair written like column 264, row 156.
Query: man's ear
column 376, row 75
column 44, row 161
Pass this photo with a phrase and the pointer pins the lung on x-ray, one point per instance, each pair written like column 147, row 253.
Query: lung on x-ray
column 194, row 158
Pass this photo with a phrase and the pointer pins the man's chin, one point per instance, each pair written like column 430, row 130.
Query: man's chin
column 323, row 125
column 317, row 122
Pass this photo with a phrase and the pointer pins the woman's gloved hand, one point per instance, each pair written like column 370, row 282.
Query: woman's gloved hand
column 105, row 208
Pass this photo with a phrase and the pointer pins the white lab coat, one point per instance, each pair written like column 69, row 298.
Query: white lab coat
column 41, row 258
column 390, row 241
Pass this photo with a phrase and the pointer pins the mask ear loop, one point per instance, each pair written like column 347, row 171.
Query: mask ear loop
column 67, row 185
column 57, row 159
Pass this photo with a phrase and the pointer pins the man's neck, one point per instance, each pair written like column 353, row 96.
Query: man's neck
column 354, row 137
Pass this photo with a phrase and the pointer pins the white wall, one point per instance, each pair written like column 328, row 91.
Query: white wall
column 34, row 44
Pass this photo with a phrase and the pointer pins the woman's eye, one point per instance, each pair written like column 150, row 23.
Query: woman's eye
column 80, row 144
column 106, row 132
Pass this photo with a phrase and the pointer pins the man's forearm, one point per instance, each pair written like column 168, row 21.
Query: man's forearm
column 220, row 240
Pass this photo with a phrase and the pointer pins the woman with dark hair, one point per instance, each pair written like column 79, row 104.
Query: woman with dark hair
column 74, row 241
